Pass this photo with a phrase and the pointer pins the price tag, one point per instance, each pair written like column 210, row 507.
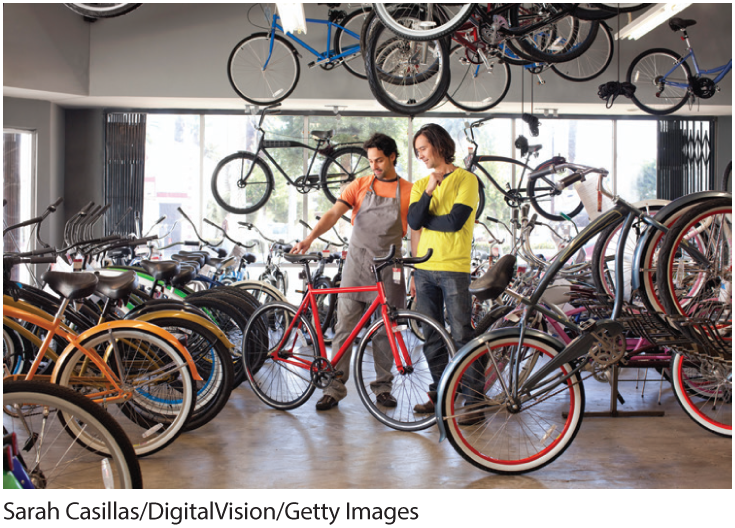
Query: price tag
column 397, row 275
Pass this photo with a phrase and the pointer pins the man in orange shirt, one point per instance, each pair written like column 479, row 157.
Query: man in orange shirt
column 379, row 204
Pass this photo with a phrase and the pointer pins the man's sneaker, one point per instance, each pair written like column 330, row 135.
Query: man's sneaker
column 428, row 407
column 386, row 399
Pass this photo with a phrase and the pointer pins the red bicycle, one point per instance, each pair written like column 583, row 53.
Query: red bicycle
column 286, row 360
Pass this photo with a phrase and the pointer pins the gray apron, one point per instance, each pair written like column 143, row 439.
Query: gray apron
column 377, row 226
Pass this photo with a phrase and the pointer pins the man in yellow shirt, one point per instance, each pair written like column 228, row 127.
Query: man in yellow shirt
column 443, row 207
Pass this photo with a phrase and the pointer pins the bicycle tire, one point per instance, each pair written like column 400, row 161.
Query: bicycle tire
column 645, row 72
column 542, row 194
column 559, row 41
column 354, row 63
column 725, row 184
column 395, row 85
column 409, row 387
column 502, row 441
column 692, row 289
column 703, row 391
column 160, row 405
column 55, row 459
column 213, row 362
column 342, row 167
column 603, row 254
column 495, row 186
column 228, row 189
column 605, row 11
column 593, row 62
column 249, row 79
column 102, row 10
column 280, row 377
column 262, row 291
column 476, row 87
column 446, row 22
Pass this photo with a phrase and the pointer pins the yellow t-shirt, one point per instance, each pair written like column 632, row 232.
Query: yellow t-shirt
column 451, row 250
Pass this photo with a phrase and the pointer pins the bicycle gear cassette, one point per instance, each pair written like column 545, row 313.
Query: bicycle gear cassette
column 609, row 347
column 322, row 373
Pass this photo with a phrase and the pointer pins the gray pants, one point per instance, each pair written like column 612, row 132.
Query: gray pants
column 349, row 313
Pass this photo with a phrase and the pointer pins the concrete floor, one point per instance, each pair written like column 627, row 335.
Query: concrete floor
column 252, row 446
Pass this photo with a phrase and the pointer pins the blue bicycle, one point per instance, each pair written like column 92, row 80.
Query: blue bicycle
column 264, row 68
column 664, row 81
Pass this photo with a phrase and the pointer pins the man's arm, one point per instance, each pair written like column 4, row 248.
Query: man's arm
column 420, row 217
column 328, row 220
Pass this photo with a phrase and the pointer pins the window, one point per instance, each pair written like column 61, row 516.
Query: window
column 19, row 176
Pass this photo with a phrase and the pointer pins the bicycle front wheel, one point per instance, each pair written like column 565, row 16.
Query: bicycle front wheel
column 494, row 433
column 280, row 351
column 433, row 22
column 346, row 43
column 343, row 166
column 161, row 389
column 263, row 73
column 377, row 371
column 45, row 418
column 239, row 189
column 550, row 202
column 703, row 388
column 262, row 291
column 661, row 81
column 476, row 83
column 404, row 76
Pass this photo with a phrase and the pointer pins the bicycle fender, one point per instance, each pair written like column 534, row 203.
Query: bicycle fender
column 138, row 325
column 22, row 331
column 661, row 216
column 467, row 349
column 178, row 314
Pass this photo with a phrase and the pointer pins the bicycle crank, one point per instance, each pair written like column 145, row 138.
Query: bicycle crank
column 609, row 348
column 322, row 373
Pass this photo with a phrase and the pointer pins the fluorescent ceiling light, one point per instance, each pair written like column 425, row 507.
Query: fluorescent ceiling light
column 292, row 16
column 651, row 19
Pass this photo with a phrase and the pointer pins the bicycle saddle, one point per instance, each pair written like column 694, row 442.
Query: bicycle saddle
column 184, row 276
column 204, row 254
column 116, row 286
column 249, row 258
column 677, row 24
column 184, row 256
column 71, row 285
column 495, row 280
column 161, row 270
column 285, row 248
column 322, row 134
column 295, row 258
column 190, row 261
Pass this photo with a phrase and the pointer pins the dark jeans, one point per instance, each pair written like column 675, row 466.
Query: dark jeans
column 434, row 290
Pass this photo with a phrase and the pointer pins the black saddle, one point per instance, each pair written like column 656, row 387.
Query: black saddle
column 71, row 285
column 204, row 256
column 283, row 248
column 220, row 263
column 295, row 258
column 161, row 270
column 249, row 258
column 117, row 286
column 322, row 134
column 184, row 276
column 677, row 24
column 495, row 280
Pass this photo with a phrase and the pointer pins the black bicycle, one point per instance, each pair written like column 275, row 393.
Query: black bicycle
column 242, row 182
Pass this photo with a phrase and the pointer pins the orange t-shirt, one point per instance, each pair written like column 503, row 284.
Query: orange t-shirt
column 355, row 192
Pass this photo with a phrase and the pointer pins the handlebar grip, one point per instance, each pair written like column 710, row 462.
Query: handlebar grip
column 191, row 242
column 570, row 180
column 246, row 224
column 84, row 210
column 524, row 211
column 208, row 221
column 490, row 218
column 307, row 226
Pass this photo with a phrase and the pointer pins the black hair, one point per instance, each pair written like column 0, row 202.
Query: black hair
column 437, row 138
column 382, row 142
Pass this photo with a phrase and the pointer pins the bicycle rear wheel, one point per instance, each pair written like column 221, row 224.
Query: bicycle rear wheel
column 476, row 83
column 46, row 419
column 652, row 73
column 261, row 72
column 376, row 371
column 489, row 432
column 280, row 352
column 593, row 62
column 236, row 190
